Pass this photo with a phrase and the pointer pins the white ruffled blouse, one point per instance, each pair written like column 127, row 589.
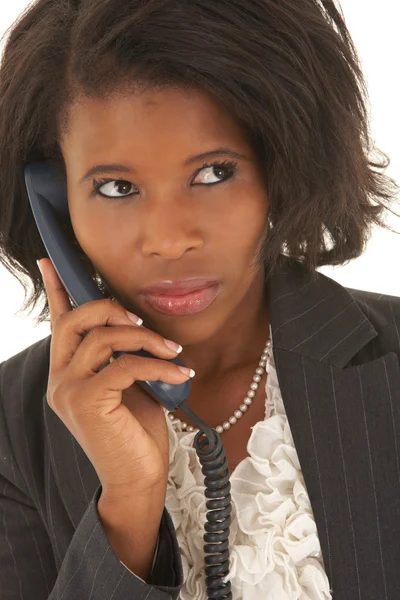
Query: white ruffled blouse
column 275, row 552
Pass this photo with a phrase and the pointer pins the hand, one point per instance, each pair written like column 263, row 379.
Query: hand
column 122, row 430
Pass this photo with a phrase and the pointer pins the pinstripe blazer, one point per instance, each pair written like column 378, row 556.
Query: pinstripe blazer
column 336, row 351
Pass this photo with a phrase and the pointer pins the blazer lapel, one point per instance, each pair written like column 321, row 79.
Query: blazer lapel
column 344, row 417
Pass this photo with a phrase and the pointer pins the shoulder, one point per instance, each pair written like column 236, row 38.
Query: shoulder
column 383, row 311
column 30, row 366
column 23, row 383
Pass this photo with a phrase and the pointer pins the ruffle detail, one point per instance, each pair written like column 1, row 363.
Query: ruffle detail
column 275, row 551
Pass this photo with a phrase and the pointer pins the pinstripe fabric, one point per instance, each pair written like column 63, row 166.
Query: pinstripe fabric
column 336, row 352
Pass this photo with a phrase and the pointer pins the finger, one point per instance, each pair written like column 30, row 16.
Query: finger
column 71, row 328
column 57, row 297
column 101, row 342
column 126, row 370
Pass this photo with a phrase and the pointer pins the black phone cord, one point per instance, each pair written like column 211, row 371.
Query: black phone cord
column 212, row 457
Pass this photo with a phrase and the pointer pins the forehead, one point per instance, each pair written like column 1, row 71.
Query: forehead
column 167, row 117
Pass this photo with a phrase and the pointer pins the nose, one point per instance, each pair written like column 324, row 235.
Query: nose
column 169, row 230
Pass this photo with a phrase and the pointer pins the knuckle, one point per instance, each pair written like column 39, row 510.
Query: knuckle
column 123, row 362
column 107, row 304
column 94, row 336
column 148, row 335
column 108, row 307
column 54, row 395
column 50, row 399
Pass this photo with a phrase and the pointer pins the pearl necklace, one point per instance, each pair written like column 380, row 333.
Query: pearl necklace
column 248, row 400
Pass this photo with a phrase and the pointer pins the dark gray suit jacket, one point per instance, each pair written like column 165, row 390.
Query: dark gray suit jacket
column 336, row 351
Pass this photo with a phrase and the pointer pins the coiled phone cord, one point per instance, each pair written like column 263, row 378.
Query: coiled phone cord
column 212, row 457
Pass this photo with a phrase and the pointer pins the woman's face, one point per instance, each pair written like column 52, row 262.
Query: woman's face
column 162, row 215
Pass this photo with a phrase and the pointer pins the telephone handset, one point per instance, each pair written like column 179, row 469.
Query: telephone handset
column 47, row 193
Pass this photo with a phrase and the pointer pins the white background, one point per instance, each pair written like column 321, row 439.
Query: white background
column 374, row 28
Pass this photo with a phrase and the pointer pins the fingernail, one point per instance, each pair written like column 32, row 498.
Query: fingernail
column 173, row 346
column 134, row 318
column 187, row 371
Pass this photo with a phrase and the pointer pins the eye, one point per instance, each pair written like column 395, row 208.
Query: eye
column 228, row 166
column 108, row 187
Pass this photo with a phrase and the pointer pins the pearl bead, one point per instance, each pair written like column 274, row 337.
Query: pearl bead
column 267, row 353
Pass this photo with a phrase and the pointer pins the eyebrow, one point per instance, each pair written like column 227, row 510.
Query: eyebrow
column 118, row 168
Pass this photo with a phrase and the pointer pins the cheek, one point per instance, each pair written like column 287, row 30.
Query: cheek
column 242, row 226
column 96, row 230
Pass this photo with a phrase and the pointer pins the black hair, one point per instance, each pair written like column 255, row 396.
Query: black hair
column 286, row 69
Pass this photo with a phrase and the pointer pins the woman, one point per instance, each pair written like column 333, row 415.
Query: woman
column 225, row 141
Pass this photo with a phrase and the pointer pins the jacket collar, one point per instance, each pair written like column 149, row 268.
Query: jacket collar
column 309, row 316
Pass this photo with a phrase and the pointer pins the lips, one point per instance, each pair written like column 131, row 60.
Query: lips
column 184, row 303
column 179, row 286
